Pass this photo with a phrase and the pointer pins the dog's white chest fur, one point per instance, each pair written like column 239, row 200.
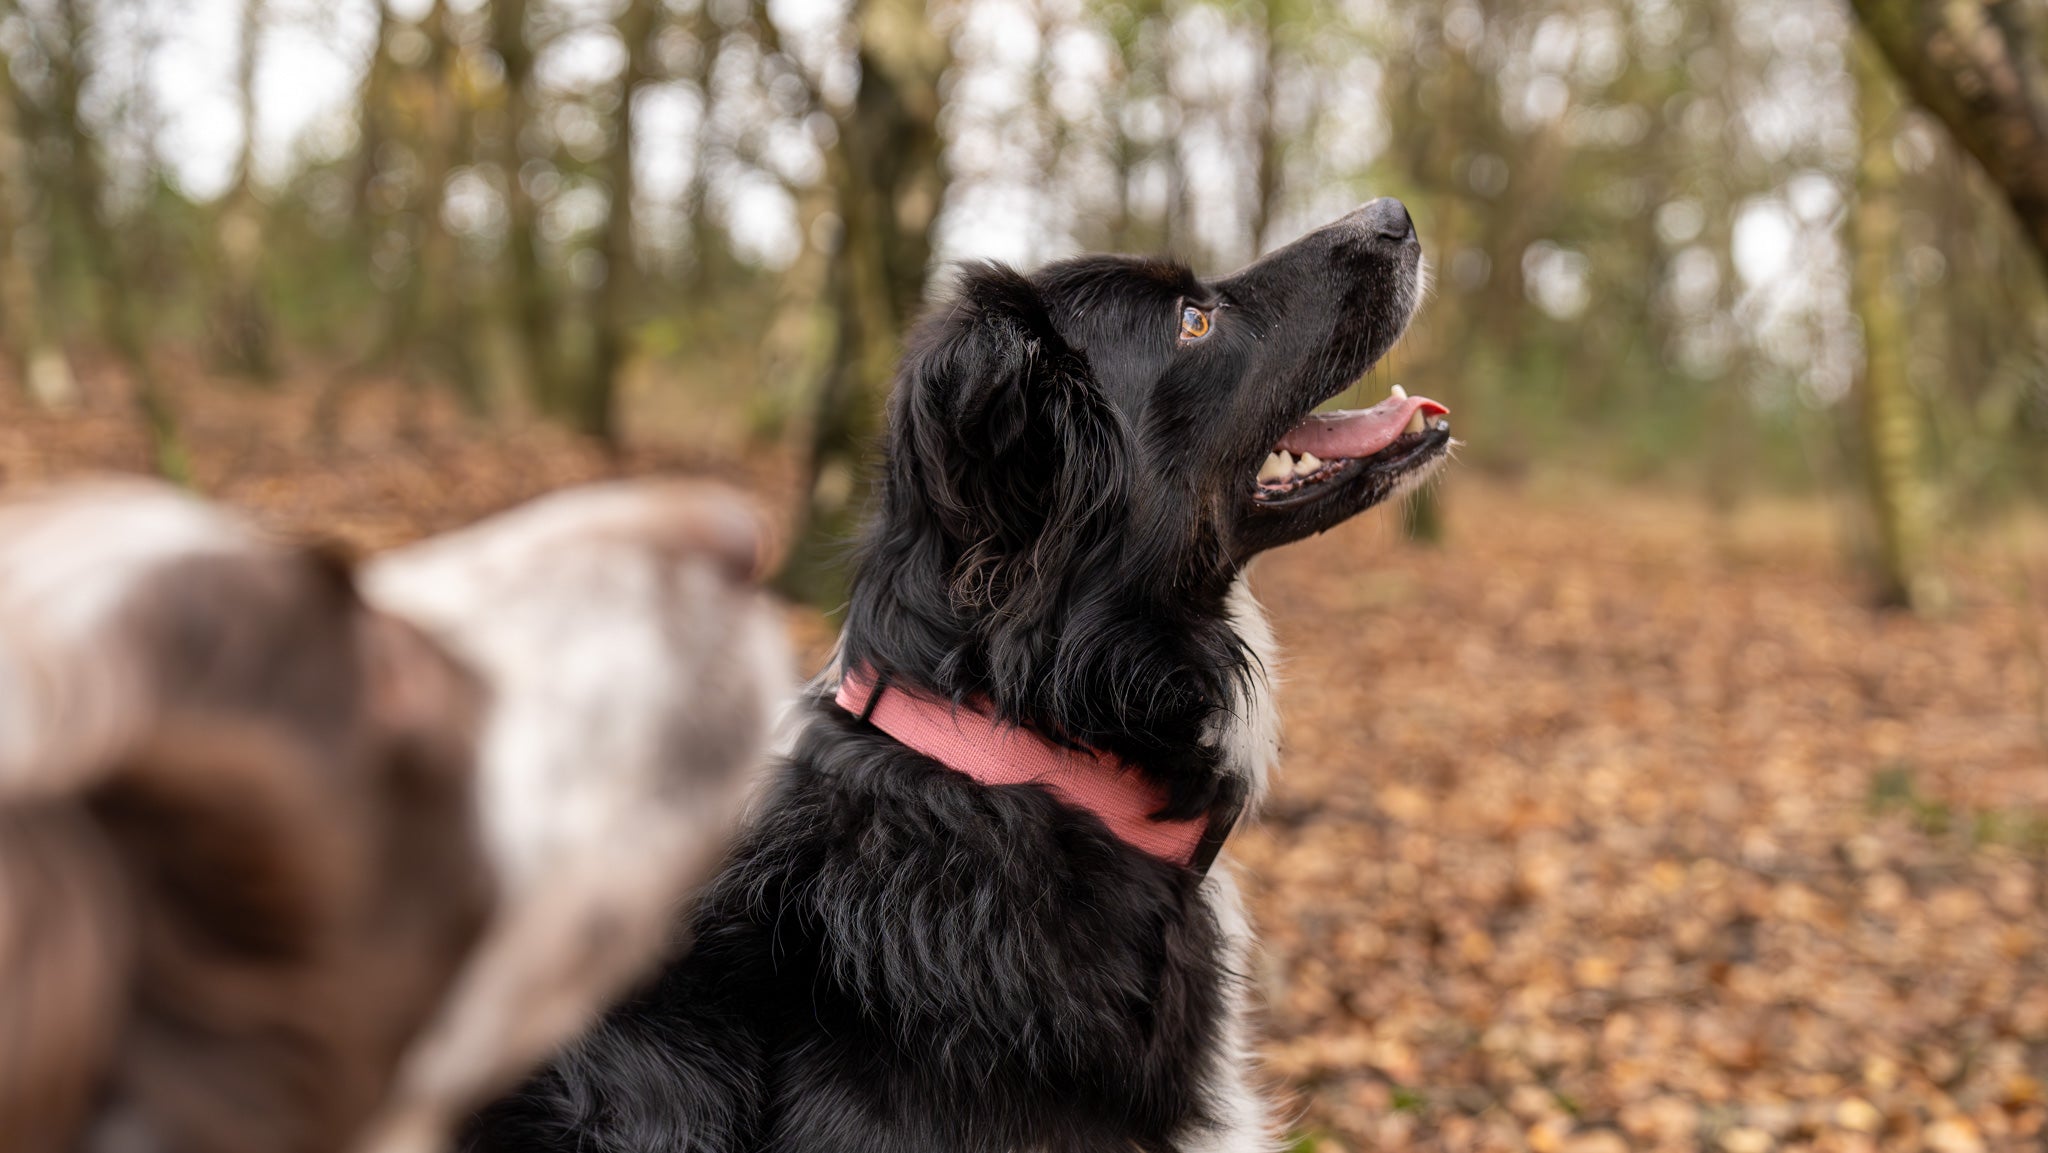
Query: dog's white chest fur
column 1250, row 734
column 1250, row 738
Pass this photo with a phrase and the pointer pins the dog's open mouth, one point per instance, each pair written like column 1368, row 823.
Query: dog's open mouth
column 1329, row 444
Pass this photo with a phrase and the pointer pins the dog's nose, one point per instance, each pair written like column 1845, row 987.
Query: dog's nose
column 1388, row 217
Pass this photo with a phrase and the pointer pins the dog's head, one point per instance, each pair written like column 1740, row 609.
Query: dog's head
column 1111, row 439
column 1131, row 390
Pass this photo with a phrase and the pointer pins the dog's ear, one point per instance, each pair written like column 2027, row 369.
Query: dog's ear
column 997, row 404
column 1003, row 432
column 982, row 370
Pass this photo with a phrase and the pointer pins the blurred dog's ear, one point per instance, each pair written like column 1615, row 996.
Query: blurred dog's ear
column 65, row 958
column 634, row 674
column 240, row 855
column 237, row 856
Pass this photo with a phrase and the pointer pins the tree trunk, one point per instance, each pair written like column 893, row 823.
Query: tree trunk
column 1135, row 31
column 373, row 102
column 40, row 360
column 1891, row 420
column 1272, row 147
column 890, row 184
column 1177, row 236
column 241, row 322
column 119, row 314
column 706, row 246
column 441, row 302
column 1978, row 66
column 597, row 400
column 534, row 315
column 1436, row 139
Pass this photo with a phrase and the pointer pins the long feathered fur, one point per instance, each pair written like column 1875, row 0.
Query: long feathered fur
column 897, row 958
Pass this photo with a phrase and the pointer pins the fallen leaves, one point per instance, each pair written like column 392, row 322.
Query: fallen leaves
column 1613, row 824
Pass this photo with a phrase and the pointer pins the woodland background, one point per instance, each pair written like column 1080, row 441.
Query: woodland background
column 1624, row 805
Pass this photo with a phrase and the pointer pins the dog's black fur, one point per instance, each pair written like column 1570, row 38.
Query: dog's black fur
column 900, row 959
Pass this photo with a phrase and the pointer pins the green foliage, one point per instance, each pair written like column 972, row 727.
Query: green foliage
column 1892, row 791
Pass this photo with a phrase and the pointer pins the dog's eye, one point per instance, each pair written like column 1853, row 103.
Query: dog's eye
column 1194, row 323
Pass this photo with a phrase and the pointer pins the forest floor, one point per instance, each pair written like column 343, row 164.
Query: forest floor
column 1611, row 822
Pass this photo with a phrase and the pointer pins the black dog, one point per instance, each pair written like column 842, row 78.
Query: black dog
column 899, row 957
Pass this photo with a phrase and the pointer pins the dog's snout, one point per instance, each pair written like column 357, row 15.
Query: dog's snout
column 1388, row 218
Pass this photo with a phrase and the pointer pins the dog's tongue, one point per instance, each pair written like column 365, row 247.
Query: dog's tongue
column 1358, row 433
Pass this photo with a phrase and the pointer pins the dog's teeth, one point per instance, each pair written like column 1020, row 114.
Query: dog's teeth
column 1415, row 423
column 1398, row 393
column 1278, row 466
column 1306, row 463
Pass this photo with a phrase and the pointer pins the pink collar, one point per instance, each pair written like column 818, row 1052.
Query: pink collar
column 968, row 740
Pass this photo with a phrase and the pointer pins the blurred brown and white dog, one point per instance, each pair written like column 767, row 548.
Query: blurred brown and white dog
column 289, row 867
